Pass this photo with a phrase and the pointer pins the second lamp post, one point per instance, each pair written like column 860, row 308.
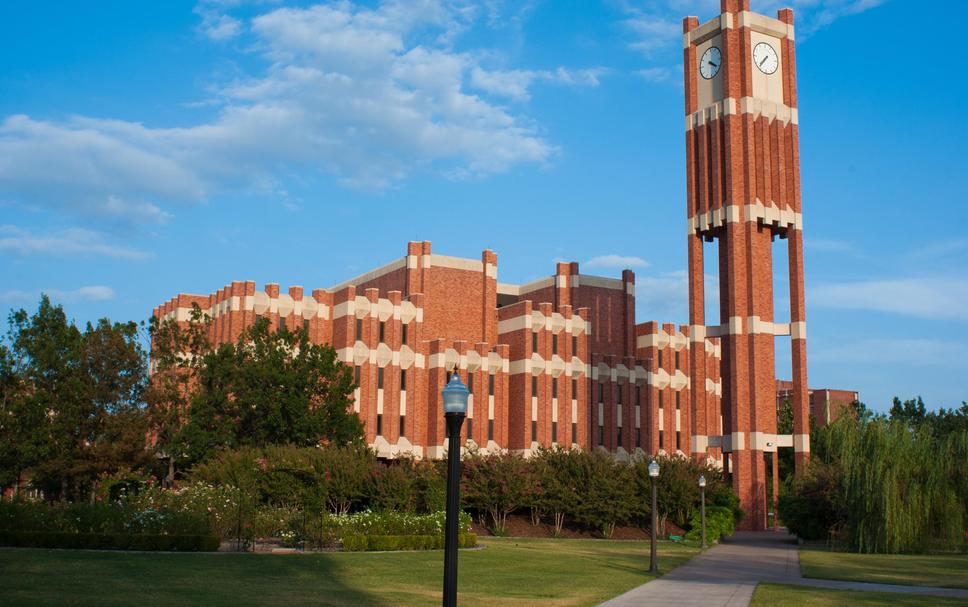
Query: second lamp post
column 702, row 506
column 455, row 407
column 653, row 475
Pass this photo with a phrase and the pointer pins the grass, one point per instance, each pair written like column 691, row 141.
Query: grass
column 508, row 571
column 781, row 595
column 950, row 570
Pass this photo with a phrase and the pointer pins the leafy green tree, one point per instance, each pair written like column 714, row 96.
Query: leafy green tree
column 607, row 497
column 268, row 388
column 910, row 411
column 556, row 470
column 73, row 400
column 496, row 484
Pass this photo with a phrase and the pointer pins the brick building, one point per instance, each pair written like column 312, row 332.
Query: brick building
column 562, row 360
column 826, row 405
column 559, row 361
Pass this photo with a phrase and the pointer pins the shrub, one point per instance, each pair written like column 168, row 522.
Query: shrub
column 495, row 484
column 720, row 522
column 404, row 542
column 103, row 541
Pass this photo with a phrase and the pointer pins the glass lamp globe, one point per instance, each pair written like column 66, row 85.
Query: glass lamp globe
column 702, row 480
column 653, row 468
column 455, row 395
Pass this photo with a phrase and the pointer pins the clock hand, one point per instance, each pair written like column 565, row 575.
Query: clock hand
column 764, row 60
column 713, row 64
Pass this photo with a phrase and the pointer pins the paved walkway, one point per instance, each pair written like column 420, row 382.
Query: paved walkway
column 726, row 576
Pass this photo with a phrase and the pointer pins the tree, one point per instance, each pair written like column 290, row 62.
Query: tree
column 268, row 388
column 607, row 496
column 72, row 400
column 910, row 411
column 555, row 469
column 495, row 484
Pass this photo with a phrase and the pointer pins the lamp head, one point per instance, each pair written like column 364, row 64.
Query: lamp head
column 653, row 468
column 455, row 395
column 702, row 480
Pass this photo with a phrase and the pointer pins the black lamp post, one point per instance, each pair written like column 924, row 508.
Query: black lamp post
column 702, row 506
column 455, row 407
column 654, row 474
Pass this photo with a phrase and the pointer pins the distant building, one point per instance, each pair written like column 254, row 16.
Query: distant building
column 826, row 405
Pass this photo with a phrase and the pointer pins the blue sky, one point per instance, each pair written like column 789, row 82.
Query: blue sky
column 148, row 148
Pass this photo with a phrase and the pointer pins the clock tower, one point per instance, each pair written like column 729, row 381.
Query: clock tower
column 743, row 195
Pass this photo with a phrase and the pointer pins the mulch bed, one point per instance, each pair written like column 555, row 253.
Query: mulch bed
column 519, row 525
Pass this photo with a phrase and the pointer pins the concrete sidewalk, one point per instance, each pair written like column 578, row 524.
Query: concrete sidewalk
column 726, row 576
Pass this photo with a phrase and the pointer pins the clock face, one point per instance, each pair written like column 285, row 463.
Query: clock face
column 764, row 56
column 710, row 62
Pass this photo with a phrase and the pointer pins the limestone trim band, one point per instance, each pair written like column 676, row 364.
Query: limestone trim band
column 537, row 321
column 752, row 325
column 746, row 105
column 753, row 441
column 757, row 212
column 747, row 19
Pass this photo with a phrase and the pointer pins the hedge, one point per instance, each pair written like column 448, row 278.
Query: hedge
column 109, row 541
column 357, row 543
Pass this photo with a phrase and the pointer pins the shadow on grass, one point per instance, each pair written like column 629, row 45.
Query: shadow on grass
column 65, row 577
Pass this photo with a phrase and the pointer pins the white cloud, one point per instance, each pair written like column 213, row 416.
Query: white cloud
column 218, row 26
column 829, row 245
column 368, row 94
column 616, row 261
column 71, row 241
column 932, row 298
column 92, row 293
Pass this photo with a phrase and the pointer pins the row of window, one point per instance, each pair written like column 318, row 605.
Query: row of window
column 383, row 331
column 638, row 438
column 554, row 343
column 677, row 359
column 637, row 393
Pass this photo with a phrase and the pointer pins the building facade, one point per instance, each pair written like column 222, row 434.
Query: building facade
column 559, row 361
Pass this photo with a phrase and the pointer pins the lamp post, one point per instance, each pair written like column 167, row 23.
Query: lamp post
column 654, row 474
column 455, row 407
column 702, row 507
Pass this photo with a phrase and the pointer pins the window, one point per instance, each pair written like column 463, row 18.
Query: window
column 618, row 394
column 554, row 432
column 554, row 388
column 534, row 342
column 661, row 440
column 677, row 360
column 306, row 326
column 601, row 392
column 359, row 329
column 490, row 429
column 470, row 382
column 574, row 388
column 554, row 344
column 534, row 431
column 470, row 427
column 403, row 380
column 678, row 445
column 574, row 345
column 619, row 435
column 660, row 359
column 490, row 385
column 660, row 399
column 282, row 324
column 379, row 425
column 383, row 331
column 574, row 432
column 379, row 378
column 677, row 401
column 638, row 437
column 403, row 334
column 534, row 386
column 403, row 419
column 638, row 396
column 356, row 374
column 601, row 435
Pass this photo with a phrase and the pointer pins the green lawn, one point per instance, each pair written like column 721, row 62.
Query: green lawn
column 508, row 571
column 781, row 595
column 949, row 570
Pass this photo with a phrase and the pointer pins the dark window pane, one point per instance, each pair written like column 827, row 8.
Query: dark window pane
column 379, row 378
column 403, row 380
column 660, row 359
column 574, row 432
column 678, row 444
column 490, row 429
column 554, row 432
column 554, row 388
column 534, row 386
column 661, row 440
column 574, row 388
column 534, row 431
column 618, row 394
column 574, row 346
column 677, row 359
column 677, row 401
column 383, row 331
column 490, row 385
column 470, row 382
column 619, row 437
column 470, row 427
column 601, row 392
column 306, row 325
column 638, row 437
column 554, row 344
column 403, row 334
column 359, row 328
column 601, row 435
column 660, row 399
column 534, row 342
column 379, row 425
column 403, row 419
column 282, row 324
column 356, row 374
